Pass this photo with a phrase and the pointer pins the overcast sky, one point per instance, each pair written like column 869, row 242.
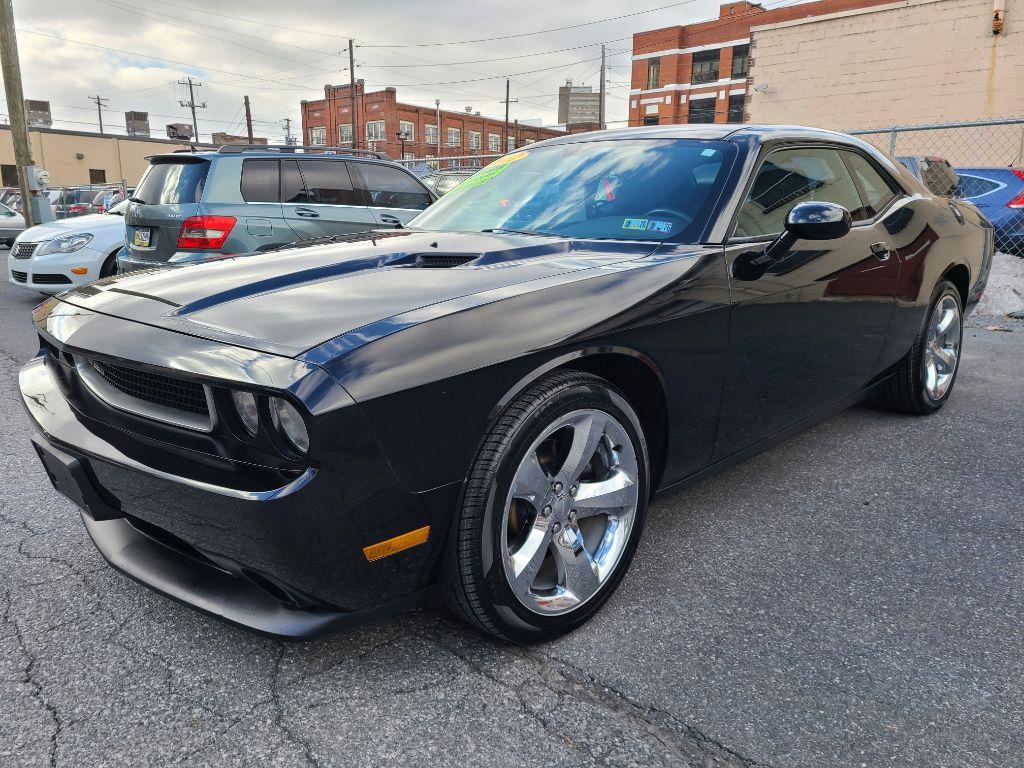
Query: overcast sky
column 279, row 52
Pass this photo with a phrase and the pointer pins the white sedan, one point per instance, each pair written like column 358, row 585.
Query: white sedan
column 62, row 254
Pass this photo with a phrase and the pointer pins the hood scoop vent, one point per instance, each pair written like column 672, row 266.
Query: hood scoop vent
column 443, row 260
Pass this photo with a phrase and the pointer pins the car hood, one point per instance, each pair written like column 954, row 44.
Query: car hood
column 91, row 223
column 286, row 302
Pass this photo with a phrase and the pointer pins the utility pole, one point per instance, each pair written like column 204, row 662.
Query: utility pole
column 248, row 119
column 506, row 102
column 287, row 123
column 15, row 104
column 352, row 90
column 100, row 104
column 600, row 106
column 191, row 103
column 437, row 117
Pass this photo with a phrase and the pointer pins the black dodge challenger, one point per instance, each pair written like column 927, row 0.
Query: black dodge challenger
column 476, row 410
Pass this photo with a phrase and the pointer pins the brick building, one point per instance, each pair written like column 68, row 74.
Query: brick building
column 380, row 118
column 698, row 73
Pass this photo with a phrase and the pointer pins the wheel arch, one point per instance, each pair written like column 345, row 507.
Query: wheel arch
column 960, row 276
column 635, row 374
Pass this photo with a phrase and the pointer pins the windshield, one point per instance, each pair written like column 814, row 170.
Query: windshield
column 172, row 182
column 659, row 189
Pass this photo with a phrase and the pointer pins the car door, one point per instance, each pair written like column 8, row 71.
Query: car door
column 394, row 195
column 318, row 198
column 807, row 332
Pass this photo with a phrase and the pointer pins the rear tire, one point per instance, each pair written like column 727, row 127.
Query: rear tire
column 546, row 531
column 925, row 377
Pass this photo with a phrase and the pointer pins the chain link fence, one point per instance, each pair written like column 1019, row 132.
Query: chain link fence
column 987, row 154
column 443, row 174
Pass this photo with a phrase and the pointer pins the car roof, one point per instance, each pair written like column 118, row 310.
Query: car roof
column 708, row 132
column 209, row 154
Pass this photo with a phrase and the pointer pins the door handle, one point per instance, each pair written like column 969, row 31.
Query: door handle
column 880, row 251
column 389, row 219
column 309, row 213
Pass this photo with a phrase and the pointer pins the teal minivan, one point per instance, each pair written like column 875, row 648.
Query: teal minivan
column 192, row 206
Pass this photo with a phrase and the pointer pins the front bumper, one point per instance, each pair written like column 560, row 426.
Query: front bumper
column 52, row 273
column 286, row 561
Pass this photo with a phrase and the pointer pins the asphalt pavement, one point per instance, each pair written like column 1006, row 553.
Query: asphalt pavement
column 850, row 598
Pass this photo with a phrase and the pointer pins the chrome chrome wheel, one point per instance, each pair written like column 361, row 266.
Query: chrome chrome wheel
column 942, row 347
column 569, row 512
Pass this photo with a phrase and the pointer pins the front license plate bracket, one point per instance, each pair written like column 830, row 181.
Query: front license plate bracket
column 73, row 479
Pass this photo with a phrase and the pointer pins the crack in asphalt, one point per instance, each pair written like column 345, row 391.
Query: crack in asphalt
column 28, row 676
column 684, row 742
column 279, row 714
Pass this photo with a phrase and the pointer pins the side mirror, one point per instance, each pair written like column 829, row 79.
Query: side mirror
column 807, row 221
column 810, row 221
column 818, row 221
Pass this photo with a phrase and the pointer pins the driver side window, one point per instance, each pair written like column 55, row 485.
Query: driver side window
column 792, row 176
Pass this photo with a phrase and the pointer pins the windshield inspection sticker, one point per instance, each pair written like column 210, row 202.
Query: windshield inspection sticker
column 648, row 225
column 486, row 174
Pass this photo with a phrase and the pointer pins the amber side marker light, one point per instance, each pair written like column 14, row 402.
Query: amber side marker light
column 80, row 270
column 397, row 544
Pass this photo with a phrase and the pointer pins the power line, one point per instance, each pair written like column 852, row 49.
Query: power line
column 535, row 32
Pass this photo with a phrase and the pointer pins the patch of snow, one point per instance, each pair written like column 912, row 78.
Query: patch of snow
column 1005, row 291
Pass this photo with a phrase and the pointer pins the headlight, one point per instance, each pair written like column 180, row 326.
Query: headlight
column 66, row 244
column 248, row 413
column 288, row 421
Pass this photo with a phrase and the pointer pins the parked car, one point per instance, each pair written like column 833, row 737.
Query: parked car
column 475, row 410
column 195, row 206
column 999, row 195
column 69, row 252
column 935, row 173
column 12, row 224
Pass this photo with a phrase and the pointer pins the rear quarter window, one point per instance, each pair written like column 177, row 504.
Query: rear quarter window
column 173, row 182
column 975, row 186
column 260, row 181
column 392, row 188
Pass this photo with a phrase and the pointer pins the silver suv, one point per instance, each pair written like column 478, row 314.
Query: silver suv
column 193, row 206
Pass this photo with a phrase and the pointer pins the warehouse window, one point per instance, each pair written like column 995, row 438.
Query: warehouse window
column 702, row 110
column 454, row 137
column 474, row 140
column 375, row 131
column 408, row 128
column 740, row 56
column 705, row 66
column 493, row 142
column 97, row 176
column 431, row 133
column 318, row 135
column 736, row 104
column 654, row 73
column 9, row 175
column 345, row 135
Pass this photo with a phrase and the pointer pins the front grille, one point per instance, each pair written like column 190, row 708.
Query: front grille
column 23, row 250
column 19, row 277
column 166, row 391
column 51, row 279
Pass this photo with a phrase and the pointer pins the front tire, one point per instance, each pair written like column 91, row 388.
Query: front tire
column 925, row 377
column 553, row 510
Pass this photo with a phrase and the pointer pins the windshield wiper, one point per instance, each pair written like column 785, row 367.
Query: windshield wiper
column 137, row 200
column 498, row 230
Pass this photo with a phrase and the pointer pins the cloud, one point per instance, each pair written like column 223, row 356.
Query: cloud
column 281, row 53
